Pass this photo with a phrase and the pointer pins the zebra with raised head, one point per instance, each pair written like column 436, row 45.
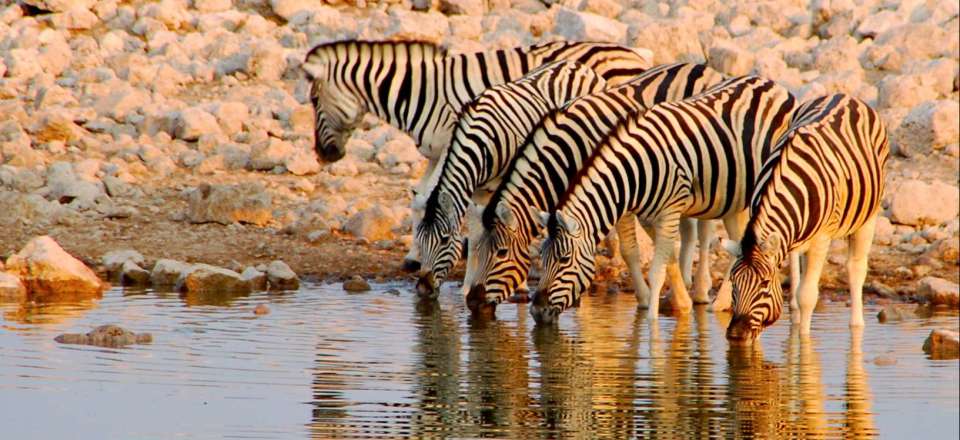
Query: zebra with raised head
column 824, row 182
column 421, row 90
column 499, row 259
column 694, row 158
column 486, row 139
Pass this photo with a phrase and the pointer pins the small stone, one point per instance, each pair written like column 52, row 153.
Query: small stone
column 261, row 309
column 131, row 274
column 375, row 223
column 942, row 344
column 257, row 279
column 194, row 122
column 890, row 313
column 166, row 272
column 731, row 60
column 207, row 279
column 281, row 277
column 112, row 261
column 356, row 284
column 106, row 336
column 880, row 289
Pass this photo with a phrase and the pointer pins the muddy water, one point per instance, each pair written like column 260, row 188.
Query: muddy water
column 326, row 363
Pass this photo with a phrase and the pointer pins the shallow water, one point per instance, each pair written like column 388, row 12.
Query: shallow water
column 326, row 363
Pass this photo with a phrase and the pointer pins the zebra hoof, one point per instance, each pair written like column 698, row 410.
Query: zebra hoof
column 410, row 265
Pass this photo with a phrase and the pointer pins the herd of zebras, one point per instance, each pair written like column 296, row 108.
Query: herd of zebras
column 576, row 140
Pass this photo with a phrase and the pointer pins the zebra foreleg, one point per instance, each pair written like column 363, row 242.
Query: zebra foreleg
column 688, row 235
column 702, row 282
column 810, row 285
column 795, row 275
column 734, row 224
column 665, row 238
column 858, row 249
column 630, row 252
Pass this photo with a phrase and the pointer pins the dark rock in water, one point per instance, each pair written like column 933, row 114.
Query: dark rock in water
column 393, row 292
column 106, row 336
column 923, row 311
column 942, row 344
column 261, row 309
column 257, row 279
column 880, row 289
column 205, row 278
column 937, row 291
column 133, row 275
column 356, row 284
column 891, row 313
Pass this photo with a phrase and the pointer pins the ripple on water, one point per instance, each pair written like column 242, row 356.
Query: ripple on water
column 326, row 363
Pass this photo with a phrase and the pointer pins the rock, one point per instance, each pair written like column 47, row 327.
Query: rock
column 416, row 26
column 289, row 8
column 884, row 231
column 166, row 272
column 462, row 7
column 302, row 163
column 584, row 26
column 225, row 204
column 77, row 18
column 885, row 361
column 946, row 250
column 65, row 187
column 880, row 289
column 375, row 223
column 232, row 116
column 674, row 41
column 270, row 154
column 942, row 344
column 194, row 122
column 938, row 291
column 905, row 91
column 106, row 336
column 398, row 151
column 731, row 60
column 207, row 279
column 257, row 279
column 356, row 284
column 11, row 288
column 878, row 23
column 918, row 203
column 891, row 313
column 281, row 277
column 212, row 5
column 131, row 274
column 932, row 124
column 261, row 309
column 60, row 5
column 56, row 126
column 114, row 260
column 49, row 272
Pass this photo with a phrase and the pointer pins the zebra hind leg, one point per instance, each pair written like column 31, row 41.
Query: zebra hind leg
column 665, row 239
column 688, row 235
column 858, row 249
column 795, row 275
column 810, row 285
column 630, row 252
column 702, row 281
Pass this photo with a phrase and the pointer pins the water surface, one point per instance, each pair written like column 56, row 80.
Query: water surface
column 326, row 363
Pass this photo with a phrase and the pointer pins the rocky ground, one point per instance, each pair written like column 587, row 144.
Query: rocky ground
column 181, row 129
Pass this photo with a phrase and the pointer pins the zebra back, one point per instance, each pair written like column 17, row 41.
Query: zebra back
column 827, row 175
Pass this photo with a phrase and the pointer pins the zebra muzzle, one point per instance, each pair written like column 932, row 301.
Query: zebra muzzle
column 426, row 287
column 477, row 301
column 741, row 331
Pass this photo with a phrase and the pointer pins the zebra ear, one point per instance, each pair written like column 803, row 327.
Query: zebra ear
column 540, row 218
column 732, row 247
column 313, row 70
column 770, row 246
column 506, row 216
column 568, row 223
column 446, row 203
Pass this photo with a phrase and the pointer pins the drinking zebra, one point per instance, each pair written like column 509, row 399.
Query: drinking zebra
column 421, row 90
column 486, row 138
column 825, row 181
column 499, row 259
column 695, row 158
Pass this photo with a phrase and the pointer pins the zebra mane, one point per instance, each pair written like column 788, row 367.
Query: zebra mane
column 318, row 50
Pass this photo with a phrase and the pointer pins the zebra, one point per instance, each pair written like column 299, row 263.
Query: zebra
column 696, row 158
column 499, row 259
column 420, row 89
column 487, row 136
column 825, row 181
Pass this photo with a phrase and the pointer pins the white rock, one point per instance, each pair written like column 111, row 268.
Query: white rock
column 11, row 288
column 933, row 124
column 584, row 26
column 22, row 63
column 281, row 277
column 206, row 279
column 938, row 291
column 884, row 231
column 917, row 203
column 64, row 186
column 225, row 204
column 905, row 90
column 879, row 23
column 463, row 7
column 60, row 5
column 375, row 223
column 731, row 60
column 270, row 154
column 398, row 151
column 113, row 260
column 672, row 41
column 166, row 272
column 48, row 271
column 288, row 8
column 416, row 26
column 302, row 162
column 212, row 5
column 194, row 122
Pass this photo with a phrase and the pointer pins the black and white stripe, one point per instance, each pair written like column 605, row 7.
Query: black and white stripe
column 825, row 181
column 487, row 136
column 499, row 259
column 695, row 158
column 421, row 90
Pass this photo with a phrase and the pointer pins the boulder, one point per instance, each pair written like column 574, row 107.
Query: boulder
column 131, row 274
column 731, row 60
column 398, row 151
column 231, row 116
column 114, row 260
column 49, row 272
column 302, row 163
column 225, row 204
column 166, row 272
column 256, row 278
column 905, row 90
column 674, row 41
column 11, row 288
column 56, row 126
column 207, row 279
column 356, row 284
column 194, row 122
column 281, row 277
column 106, row 336
column 60, row 5
column 584, row 26
column 942, row 344
column 270, row 154
column 462, row 7
column 212, row 5
column 932, row 124
column 917, row 203
column 289, row 8
column 416, row 26
column 375, row 223
column 938, row 291
column 878, row 23
column 65, row 187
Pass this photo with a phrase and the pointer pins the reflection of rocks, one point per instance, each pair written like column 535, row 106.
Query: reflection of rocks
column 106, row 336
column 11, row 289
column 942, row 344
column 49, row 272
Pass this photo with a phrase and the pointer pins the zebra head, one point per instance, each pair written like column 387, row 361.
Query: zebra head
column 337, row 112
column 499, row 259
column 757, row 294
column 567, row 258
column 439, row 241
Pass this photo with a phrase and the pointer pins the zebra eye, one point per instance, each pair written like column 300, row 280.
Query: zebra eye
column 565, row 259
column 502, row 253
column 444, row 239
